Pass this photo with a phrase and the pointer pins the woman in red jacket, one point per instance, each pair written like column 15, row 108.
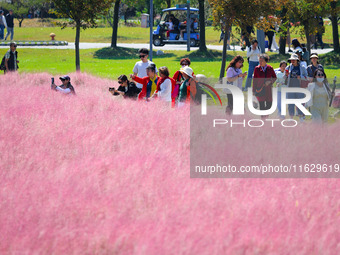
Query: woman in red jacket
column 149, row 82
column 264, row 77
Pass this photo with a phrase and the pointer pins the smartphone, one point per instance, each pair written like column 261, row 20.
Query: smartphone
column 52, row 80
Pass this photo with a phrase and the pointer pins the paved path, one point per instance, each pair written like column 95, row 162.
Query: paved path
column 180, row 47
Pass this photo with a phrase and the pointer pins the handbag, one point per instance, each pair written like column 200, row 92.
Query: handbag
column 261, row 92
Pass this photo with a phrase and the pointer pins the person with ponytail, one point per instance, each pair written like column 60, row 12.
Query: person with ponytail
column 149, row 82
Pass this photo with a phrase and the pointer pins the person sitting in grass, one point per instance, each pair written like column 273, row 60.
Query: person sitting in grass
column 126, row 89
column 149, row 82
column 66, row 87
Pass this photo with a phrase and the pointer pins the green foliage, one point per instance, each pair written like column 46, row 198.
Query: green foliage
column 22, row 7
column 81, row 13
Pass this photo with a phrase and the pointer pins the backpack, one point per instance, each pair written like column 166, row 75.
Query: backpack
column 2, row 65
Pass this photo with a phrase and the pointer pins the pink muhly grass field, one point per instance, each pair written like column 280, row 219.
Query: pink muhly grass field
column 93, row 174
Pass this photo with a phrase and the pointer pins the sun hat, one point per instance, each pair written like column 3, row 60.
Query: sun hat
column 314, row 55
column 187, row 70
column 294, row 57
column 65, row 77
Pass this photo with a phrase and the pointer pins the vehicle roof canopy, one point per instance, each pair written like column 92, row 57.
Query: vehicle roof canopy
column 179, row 9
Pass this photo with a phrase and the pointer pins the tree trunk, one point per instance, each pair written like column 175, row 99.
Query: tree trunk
column 282, row 43
column 168, row 3
column 115, row 25
column 283, row 33
column 203, row 46
column 335, row 28
column 77, row 47
column 308, row 39
column 20, row 22
column 224, row 53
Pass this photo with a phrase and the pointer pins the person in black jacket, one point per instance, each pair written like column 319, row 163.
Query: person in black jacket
column 10, row 24
column 11, row 58
column 126, row 89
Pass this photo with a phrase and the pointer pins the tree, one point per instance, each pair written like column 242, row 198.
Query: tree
column 241, row 13
column 334, row 10
column 203, row 46
column 305, row 11
column 114, row 23
column 82, row 14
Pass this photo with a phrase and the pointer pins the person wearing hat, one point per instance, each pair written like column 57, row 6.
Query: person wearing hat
column 10, row 24
column 314, row 58
column 188, row 87
column 178, row 77
column 295, row 75
column 302, row 61
column 66, row 87
column 11, row 58
column 3, row 24
column 149, row 82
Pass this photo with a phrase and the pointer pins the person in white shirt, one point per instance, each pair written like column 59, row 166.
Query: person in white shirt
column 139, row 69
column 66, row 87
column 280, row 83
column 3, row 24
column 170, row 25
column 253, row 54
column 164, row 85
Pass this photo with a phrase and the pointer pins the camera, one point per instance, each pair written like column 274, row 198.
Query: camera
column 52, row 80
column 111, row 89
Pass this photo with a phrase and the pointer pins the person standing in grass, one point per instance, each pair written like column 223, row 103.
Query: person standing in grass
column 280, row 83
column 188, row 88
column 3, row 24
column 296, row 74
column 264, row 77
column 139, row 69
column 234, row 77
column 320, row 96
column 11, row 59
column 314, row 66
column 10, row 24
column 253, row 54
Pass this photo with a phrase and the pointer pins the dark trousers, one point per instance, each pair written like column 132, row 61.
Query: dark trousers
column 270, row 35
column 265, row 105
column 318, row 40
column 230, row 103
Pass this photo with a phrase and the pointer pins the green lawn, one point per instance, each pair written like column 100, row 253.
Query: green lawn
column 112, row 63
column 125, row 34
